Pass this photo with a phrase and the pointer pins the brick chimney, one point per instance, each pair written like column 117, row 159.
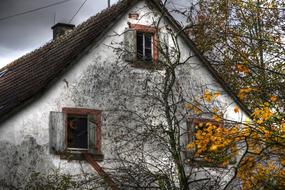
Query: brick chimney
column 60, row 29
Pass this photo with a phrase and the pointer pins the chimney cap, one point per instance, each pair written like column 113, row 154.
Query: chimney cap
column 60, row 29
column 60, row 24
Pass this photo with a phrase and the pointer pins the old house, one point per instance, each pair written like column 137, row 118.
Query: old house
column 69, row 104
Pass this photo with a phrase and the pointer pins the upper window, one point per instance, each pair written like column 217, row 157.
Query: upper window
column 75, row 131
column 144, row 46
column 141, row 45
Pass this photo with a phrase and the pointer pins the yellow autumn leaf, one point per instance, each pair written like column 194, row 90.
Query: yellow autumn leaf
column 189, row 106
column 191, row 146
column 216, row 118
column 213, row 148
column 241, row 96
column 243, row 92
column 236, row 109
column 207, row 96
column 283, row 128
column 247, row 121
column 215, row 109
column 217, row 94
column 197, row 110
column 273, row 98
column 242, row 68
column 282, row 162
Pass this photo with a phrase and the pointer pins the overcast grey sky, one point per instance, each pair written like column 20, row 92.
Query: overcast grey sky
column 22, row 34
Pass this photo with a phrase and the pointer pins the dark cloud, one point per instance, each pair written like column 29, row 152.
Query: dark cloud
column 22, row 34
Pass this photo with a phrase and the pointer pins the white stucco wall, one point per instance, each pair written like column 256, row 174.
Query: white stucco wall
column 101, row 81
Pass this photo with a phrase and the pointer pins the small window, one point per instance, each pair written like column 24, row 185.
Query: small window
column 144, row 46
column 75, row 131
column 141, row 45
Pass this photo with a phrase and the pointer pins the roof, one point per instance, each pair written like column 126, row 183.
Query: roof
column 26, row 78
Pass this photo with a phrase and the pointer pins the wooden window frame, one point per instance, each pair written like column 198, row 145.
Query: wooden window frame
column 154, row 32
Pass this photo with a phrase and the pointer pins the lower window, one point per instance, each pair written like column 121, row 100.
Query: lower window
column 76, row 131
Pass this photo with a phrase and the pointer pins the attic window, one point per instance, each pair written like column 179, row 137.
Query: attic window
column 76, row 131
column 144, row 46
column 141, row 44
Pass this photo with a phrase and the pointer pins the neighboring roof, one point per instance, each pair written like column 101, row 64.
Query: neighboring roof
column 22, row 80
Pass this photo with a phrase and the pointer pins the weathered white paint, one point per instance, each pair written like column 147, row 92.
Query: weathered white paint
column 99, row 80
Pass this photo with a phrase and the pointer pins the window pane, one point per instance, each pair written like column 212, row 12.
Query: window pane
column 148, row 53
column 139, row 45
column 77, row 131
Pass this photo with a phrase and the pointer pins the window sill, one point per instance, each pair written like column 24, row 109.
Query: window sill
column 146, row 65
column 79, row 155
